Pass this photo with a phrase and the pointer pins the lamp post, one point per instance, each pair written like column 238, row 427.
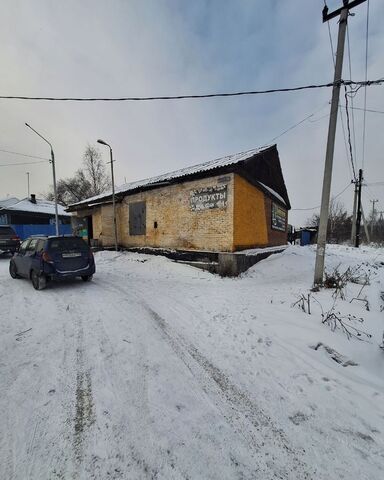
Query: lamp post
column 113, row 189
column 53, row 174
column 28, row 182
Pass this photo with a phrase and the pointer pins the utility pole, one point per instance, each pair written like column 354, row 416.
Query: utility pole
column 358, row 217
column 354, row 215
column 28, row 182
column 373, row 215
column 325, row 197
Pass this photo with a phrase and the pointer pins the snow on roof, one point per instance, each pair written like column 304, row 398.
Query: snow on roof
column 4, row 202
column 183, row 172
column 41, row 206
column 272, row 192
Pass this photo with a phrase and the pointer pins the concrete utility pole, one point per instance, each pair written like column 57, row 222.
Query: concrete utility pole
column 54, row 177
column 373, row 215
column 325, row 197
column 113, row 190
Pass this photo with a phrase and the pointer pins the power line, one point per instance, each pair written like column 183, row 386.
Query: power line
column 296, row 124
column 23, row 154
column 374, row 184
column 333, row 198
column 185, row 97
column 366, row 73
column 352, row 112
column 340, row 110
column 349, row 134
column 24, row 163
column 364, row 109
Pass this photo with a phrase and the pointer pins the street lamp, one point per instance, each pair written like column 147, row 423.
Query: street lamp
column 113, row 189
column 54, row 176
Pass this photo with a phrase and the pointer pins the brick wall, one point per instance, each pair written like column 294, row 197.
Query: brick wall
column 244, row 223
column 250, row 229
column 178, row 226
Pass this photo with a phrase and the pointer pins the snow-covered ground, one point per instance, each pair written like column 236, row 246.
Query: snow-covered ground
column 157, row 370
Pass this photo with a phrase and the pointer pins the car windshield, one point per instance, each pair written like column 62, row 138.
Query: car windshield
column 6, row 231
column 67, row 243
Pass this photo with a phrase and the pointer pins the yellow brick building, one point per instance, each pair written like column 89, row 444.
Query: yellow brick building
column 229, row 204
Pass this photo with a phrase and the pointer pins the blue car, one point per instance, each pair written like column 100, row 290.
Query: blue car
column 42, row 259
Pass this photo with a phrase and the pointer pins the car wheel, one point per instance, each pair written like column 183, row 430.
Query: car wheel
column 86, row 278
column 38, row 281
column 13, row 270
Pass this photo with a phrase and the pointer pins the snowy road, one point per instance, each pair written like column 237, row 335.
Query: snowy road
column 160, row 371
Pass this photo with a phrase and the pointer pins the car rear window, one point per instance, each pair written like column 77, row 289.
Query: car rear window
column 64, row 244
column 7, row 231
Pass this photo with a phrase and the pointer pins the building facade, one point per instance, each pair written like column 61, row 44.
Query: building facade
column 230, row 204
column 33, row 216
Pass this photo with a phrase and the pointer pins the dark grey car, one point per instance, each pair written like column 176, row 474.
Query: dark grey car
column 9, row 241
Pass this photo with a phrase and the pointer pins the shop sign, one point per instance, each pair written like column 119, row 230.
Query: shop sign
column 279, row 217
column 208, row 198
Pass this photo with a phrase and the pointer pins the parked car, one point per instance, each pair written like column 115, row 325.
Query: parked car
column 42, row 259
column 9, row 241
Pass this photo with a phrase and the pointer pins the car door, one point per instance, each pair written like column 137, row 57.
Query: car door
column 29, row 256
column 19, row 257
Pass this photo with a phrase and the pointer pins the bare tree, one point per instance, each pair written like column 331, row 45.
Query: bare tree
column 95, row 172
column 339, row 222
column 87, row 182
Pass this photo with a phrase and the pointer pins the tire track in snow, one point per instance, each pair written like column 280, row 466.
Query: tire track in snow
column 259, row 430
column 133, row 430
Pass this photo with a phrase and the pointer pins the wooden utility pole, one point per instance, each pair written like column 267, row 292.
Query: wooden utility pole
column 354, row 215
column 325, row 197
column 358, row 217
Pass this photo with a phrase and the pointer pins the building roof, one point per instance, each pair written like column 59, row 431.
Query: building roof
column 25, row 205
column 220, row 165
column 8, row 201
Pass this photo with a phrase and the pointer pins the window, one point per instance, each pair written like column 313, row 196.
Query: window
column 32, row 246
column 23, row 246
column 67, row 243
column 137, row 218
column 40, row 245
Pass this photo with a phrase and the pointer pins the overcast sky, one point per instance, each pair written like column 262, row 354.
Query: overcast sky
column 170, row 47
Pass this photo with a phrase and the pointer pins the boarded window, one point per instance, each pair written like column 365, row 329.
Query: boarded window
column 137, row 218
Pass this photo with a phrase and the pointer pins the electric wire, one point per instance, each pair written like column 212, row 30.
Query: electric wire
column 364, row 109
column 23, row 163
column 23, row 154
column 357, row 84
column 340, row 110
column 365, row 88
column 349, row 134
column 352, row 112
column 333, row 198
column 295, row 125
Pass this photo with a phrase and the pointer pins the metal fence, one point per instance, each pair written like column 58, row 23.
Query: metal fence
column 25, row 231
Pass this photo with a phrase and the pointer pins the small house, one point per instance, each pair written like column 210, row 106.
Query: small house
column 33, row 216
column 228, row 204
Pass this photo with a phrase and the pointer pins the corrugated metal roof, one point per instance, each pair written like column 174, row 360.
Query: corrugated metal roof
column 183, row 172
column 41, row 206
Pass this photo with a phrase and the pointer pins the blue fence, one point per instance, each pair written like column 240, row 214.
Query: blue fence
column 25, row 231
